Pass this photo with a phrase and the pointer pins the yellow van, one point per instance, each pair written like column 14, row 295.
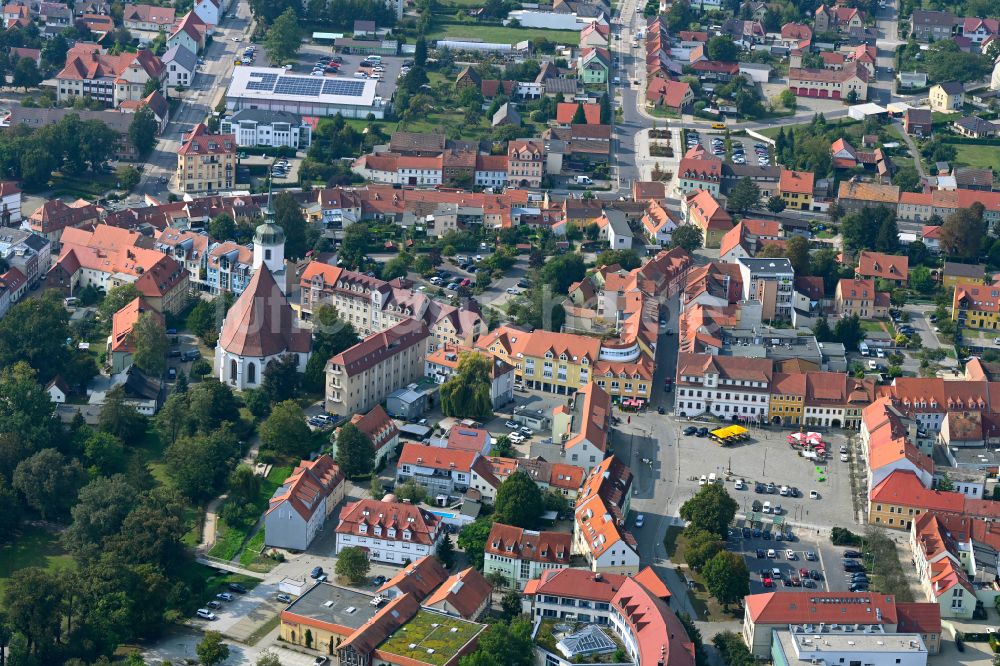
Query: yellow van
column 718, row 125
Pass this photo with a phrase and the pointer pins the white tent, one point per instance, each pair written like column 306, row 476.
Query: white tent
column 862, row 111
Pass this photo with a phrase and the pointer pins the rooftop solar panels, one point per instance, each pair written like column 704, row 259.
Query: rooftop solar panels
column 342, row 87
column 262, row 82
column 298, row 85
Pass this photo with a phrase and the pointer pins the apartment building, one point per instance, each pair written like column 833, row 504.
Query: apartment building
column 699, row 170
column 728, row 387
column 443, row 362
column 389, row 531
column 109, row 79
column 796, row 189
column 975, row 305
column 601, row 513
column 301, row 505
column 705, row 212
column 837, row 18
column 771, row 282
column 892, row 268
column 148, row 18
column 521, row 555
column 380, row 430
column 557, row 477
column 929, row 25
column 371, row 305
column 636, row 608
column 859, row 297
column 525, row 163
column 441, row 471
column 362, row 376
column 206, row 162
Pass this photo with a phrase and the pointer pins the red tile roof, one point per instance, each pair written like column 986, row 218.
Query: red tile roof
column 814, row 607
column 879, row 265
column 261, row 322
column 464, row 593
column 418, row 578
column 200, row 142
column 436, row 457
column 578, row 583
column 123, row 321
column 310, row 483
column 424, row 526
column 377, row 426
column 378, row 347
column 659, row 635
column 903, row 488
column 918, row 618
column 565, row 112
column 520, row 544
column 800, row 182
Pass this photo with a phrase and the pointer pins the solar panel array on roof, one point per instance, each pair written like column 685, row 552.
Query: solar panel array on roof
column 298, row 85
column 341, row 87
column 263, row 82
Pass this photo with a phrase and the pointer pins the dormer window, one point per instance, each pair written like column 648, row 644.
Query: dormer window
column 363, row 528
column 406, row 535
column 378, row 530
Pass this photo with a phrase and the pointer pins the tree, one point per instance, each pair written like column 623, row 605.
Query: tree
column 701, row 546
column 605, row 109
column 888, row 235
column 33, row 599
column 397, row 267
column 128, row 177
column 745, row 195
column 98, row 514
column 466, row 394
column 797, row 252
column 727, row 578
column 376, row 489
column 921, row 279
column 222, row 227
column 510, row 604
column 27, row 417
column 49, row 482
column 775, row 204
column 354, row 247
column 331, row 335
column 849, row 332
column 562, row 271
column 503, row 644
column 627, row 259
column 283, row 38
column 288, row 216
column 105, row 453
column 733, row 650
column 268, row 658
column 446, row 552
column 142, row 130
column 352, row 564
column 502, row 447
column 117, row 298
column 711, row 509
column 787, row 99
column 962, row 233
column 212, row 650
column 120, row 418
column 35, row 331
column 686, row 236
column 281, row 378
column 199, row 464
column 10, row 520
column 150, row 339
column 285, row 431
column 420, row 52
column 579, row 116
column 211, row 404
column 355, row 454
column 472, row 539
column 519, row 501
column 26, row 74
column 723, row 49
column 680, row 16
column 823, row 332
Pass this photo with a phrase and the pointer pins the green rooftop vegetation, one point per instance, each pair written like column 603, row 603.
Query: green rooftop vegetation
column 431, row 631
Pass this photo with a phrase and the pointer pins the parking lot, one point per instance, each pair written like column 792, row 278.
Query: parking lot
column 310, row 54
column 742, row 150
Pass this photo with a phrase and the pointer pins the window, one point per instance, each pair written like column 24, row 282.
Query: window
column 232, row 370
column 252, row 373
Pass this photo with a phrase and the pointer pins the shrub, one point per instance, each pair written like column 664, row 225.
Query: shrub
column 843, row 537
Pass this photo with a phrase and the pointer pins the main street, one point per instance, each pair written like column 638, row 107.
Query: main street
column 195, row 103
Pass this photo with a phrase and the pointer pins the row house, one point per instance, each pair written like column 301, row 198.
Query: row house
column 525, row 163
column 856, row 195
column 601, row 512
column 372, row 305
column 727, row 387
column 901, row 498
column 830, row 83
column 921, row 206
column 228, row 268
column 827, row 399
column 29, row 253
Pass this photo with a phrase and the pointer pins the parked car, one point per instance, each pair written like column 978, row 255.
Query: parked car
column 316, row 572
column 205, row 614
column 225, row 596
column 378, row 580
column 702, row 432
column 511, row 425
column 690, row 430
column 237, row 588
column 214, row 605
column 852, row 553
column 284, row 598
column 639, row 520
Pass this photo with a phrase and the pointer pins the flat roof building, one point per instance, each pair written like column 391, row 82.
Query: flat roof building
column 809, row 644
column 275, row 89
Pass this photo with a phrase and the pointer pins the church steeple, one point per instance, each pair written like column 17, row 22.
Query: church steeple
column 269, row 240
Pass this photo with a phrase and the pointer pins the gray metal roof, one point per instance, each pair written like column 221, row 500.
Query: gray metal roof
column 182, row 56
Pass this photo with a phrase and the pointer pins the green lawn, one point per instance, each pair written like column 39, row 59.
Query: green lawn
column 500, row 34
column 872, row 326
column 33, row 547
column 978, row 156
column 230, row 539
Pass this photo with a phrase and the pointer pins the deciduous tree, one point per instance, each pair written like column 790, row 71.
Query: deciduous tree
column 686, row 236
column 288, row 216
column 49, row 483
column 472, row 539
column 285, row 430
column 727, row 578
column 120, row 418
column 711, row 509
column 352, row 564
column 283, row 38
column 142, row 130
column 151, row 345
column 519, row 501
column 212, row 650
column 466, row 394
column 355, row 454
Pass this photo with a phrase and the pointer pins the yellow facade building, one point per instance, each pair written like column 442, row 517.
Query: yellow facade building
column 976, row 305
column 206, row 162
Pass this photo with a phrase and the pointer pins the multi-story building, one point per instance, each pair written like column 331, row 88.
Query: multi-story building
column 300, row 506
column 704, row 211
column 771, row 282
column 228, row 268
column 699, row 170
column 901, row 498
column 976, row 305
column 148, row 18
column 121, row 342
column 380, row 430
column 787, row 402
column 830, row 83
column 29, row 253
column 599, row 532
column 362, row 376
column 636, row 608
column 109, row 79
column 389, row 531
column 859, row 297
column 728, row 387
column 441, row 471
column 804, row 644
column 522, row 555
column 796, row 189
column 837, row 18
column 10, row 203
column 181, row 66
column 557, row 477
column 206, row 162
column 927, row 25
column 525, row 163
column 771, row 612
column 955, row 557
column 274, row 129
column 856, row 195
column 371, row 305
column 946, row 97
column 584, row 429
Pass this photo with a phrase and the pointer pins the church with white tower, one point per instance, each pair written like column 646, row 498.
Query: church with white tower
column 261, row 326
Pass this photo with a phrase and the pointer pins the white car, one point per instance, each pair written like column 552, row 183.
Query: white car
column 739, row 484
column 843, row 457
column 237, row 39
column 813, row 494
column 205, row 614
column 703, row 480
column 771, row 553
column 511, row 425
column 639, row 520
column 516, row 437
column 790, row 554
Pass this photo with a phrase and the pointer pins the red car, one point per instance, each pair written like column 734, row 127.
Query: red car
column 767, row 582
column 804, row 572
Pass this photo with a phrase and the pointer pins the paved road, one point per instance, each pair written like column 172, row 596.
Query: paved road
column 209, row 85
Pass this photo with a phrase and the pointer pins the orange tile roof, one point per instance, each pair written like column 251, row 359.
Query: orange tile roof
column 903, row 488
column 565, row 111
column 880, row 265
column 814, row 607
column 436, row 457
column 418, row 578
column 868, row 192
column 307, row 488
column 707, row 212
column 123, row 321
column 598, row 515
column 800, row 182
column 659, row 635
column 520, row 544
column 423, row 525
column 466, row 592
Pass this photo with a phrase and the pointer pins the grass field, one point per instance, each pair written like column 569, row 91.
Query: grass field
column 978, row 156
column 230, row 539
column 33, row 547
column 873, row 326
column 500, row 34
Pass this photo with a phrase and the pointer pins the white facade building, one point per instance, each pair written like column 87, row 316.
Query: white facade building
column 389, row 531
column 274, row 129
column 728, row 387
